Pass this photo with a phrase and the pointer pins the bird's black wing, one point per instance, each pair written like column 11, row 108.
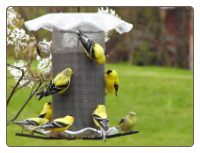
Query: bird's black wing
column 52, row 88
column 104, row 123
column 90, row 46
column 116, row 89
column 61, row 124
column 38, row 50
column 87, row 43
column 53, row 125
column 31, row 122
column 42, row 115
column 122, row 120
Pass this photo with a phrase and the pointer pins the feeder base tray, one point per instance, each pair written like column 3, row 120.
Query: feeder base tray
column 84, row 138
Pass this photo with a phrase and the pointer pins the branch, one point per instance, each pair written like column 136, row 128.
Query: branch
column 23, row 73
column 31, row 95
column 23, row 85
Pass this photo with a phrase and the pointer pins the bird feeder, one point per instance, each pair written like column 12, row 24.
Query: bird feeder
column 87, row 88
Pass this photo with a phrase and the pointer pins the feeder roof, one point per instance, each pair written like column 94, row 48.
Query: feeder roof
column 67, row 21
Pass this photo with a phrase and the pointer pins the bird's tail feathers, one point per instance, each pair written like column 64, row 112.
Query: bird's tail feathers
column 117, row 127
column 84, row 39
column 105, row 124
column 103, row 134
column 16, row 122
column 79, row 33
column 40, row 95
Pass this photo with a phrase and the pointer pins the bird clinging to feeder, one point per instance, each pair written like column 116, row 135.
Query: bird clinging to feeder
column 101, row 120
column 93, row 50
column 59, row 124
column 112, row 81
column 47, row 111
column 57, row 85
column 43, row 50
column 31, row 124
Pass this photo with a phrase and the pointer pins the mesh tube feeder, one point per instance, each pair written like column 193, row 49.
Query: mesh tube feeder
column 87, row 88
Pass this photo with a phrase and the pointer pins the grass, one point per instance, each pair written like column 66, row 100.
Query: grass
column 161, row 97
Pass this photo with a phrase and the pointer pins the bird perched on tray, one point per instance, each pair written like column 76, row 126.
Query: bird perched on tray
column 43, row 50
column 112, row 81
column 101, row 120
column 128, row 122
column 92, row 49
column 31, row 124
column 57, row 85
column 47, row 111
column 59, row 124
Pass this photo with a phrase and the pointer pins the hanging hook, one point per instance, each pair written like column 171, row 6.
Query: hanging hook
column 78, row 39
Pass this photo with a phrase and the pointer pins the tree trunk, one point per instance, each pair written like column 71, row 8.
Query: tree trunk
column 131, row 53
column 181, row 38
column 191, row 49
column 160, row 34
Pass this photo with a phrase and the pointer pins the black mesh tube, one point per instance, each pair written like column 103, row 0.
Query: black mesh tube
column 86, row 90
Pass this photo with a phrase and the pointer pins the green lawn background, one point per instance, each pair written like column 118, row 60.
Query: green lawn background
column 161, row 97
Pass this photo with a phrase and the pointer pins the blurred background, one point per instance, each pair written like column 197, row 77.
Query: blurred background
column 154, row 62
column 161, row 36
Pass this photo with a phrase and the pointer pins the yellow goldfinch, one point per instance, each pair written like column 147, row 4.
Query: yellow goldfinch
column 57, row 85
column 47, row 111
column 92, row 49
column 112, row 81
column 101, row 120
column 128, row 122
column 59, row 124
column 43, row 50
column 31, row 124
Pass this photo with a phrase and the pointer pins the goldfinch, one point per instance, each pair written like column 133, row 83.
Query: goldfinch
column 31, row 124
column 59, row 124
column 112, row 81
column 92, row 49
column 128, row 122
column 43, row 50
column 57, row 85
column 101, row 120
column 47, row 111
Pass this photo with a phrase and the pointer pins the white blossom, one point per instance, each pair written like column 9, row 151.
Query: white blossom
column 18, row 73
column 11, row 14
column 15, row 35
column 112, row 12
column 44, row 64
column 108, row 11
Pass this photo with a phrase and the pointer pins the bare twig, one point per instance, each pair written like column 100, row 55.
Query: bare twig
column 26, row 83
column 41, row 88
column 23, row 73
column 31, row 95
